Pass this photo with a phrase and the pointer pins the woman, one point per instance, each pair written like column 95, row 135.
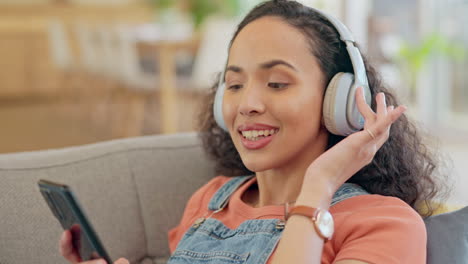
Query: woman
column 281, row 60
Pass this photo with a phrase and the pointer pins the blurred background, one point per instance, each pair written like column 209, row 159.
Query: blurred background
column 76, row 72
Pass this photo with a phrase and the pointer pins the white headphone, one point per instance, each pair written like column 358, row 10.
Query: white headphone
column 340, row 113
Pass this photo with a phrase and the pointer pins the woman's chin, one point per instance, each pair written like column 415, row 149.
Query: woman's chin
column 257, row 166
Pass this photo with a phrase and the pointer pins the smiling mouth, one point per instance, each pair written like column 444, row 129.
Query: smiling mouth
column 254, row 135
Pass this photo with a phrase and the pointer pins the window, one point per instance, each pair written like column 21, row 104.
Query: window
column 420, row 48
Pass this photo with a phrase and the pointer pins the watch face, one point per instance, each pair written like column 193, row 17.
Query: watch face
column 325, row 223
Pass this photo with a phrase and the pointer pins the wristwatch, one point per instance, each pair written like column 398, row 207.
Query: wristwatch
column 322, row 219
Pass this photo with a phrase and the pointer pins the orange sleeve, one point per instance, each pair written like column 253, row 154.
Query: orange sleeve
column 391, row 232
column 195, row 207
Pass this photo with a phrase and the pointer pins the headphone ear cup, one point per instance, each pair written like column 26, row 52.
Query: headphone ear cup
column 218, row 107
column 335, row 104
column 328, row 104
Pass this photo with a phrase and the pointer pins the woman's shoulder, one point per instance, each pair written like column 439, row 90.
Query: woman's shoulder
column 373, row 200
column 195, row 207
column 214, row 184
column 375, row 204
column 378, row 211
column 375, row 228
column 204, row 193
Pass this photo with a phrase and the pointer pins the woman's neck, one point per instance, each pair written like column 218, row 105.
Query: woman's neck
column 276, row 189
column 283, row 184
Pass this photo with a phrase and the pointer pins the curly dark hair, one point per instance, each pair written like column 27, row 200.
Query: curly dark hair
column 403, row 167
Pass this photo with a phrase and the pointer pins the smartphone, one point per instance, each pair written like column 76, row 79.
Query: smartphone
column 66, row 209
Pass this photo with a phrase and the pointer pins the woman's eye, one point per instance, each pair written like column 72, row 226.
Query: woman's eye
column 277, row 85
column 235, row 86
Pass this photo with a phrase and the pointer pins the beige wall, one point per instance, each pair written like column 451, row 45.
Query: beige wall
column 24, row 2
column 103, row 2
column 79, row 2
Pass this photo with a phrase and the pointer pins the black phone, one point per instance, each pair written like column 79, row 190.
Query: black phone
column 66, row 209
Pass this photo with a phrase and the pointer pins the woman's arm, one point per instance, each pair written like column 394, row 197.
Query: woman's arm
column 299, row 242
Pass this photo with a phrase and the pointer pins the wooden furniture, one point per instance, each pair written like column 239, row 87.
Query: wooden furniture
column 27, row 67
column 165, row 53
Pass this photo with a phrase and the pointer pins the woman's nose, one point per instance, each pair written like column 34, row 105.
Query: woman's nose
column 252, row 101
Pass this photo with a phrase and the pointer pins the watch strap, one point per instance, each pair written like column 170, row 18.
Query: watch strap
column 311, row 213
column 307, row 211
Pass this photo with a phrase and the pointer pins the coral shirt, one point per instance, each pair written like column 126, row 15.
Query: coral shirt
column 369, row 228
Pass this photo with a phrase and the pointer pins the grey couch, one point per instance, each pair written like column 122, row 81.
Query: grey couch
column 133, row 190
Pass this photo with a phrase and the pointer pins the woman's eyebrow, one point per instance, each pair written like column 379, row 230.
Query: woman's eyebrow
column 265, row 65
column 234, row 69
column 273, row 63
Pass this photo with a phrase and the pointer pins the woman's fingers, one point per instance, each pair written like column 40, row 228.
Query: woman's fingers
column 381, row 106
column 67, row 251
column 66, row 247
column 377, row 124
column 396, row 113
column 382, row 126
column 122, row 261
column 363, row 107
column 95, row 261
column 101, row 261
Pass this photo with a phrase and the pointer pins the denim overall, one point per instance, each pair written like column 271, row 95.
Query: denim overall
column 209, row 241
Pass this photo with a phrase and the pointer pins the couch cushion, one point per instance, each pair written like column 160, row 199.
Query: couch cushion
column 166, row 175
column 448, row 237
column 148, row 260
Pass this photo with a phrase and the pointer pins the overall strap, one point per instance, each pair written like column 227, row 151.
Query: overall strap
column 347, row 190
column 221, row 197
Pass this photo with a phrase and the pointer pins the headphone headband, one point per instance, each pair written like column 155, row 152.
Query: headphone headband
column 354, row 53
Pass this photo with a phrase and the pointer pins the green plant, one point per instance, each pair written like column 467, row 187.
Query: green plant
column 201, row 9
column 161, row 4
column 413, row 57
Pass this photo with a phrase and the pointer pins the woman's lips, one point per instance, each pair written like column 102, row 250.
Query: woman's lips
column 255, row 126
column 258, row 144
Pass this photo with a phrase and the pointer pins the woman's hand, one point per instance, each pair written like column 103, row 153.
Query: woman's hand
column 335, row 166
column 69, row 252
